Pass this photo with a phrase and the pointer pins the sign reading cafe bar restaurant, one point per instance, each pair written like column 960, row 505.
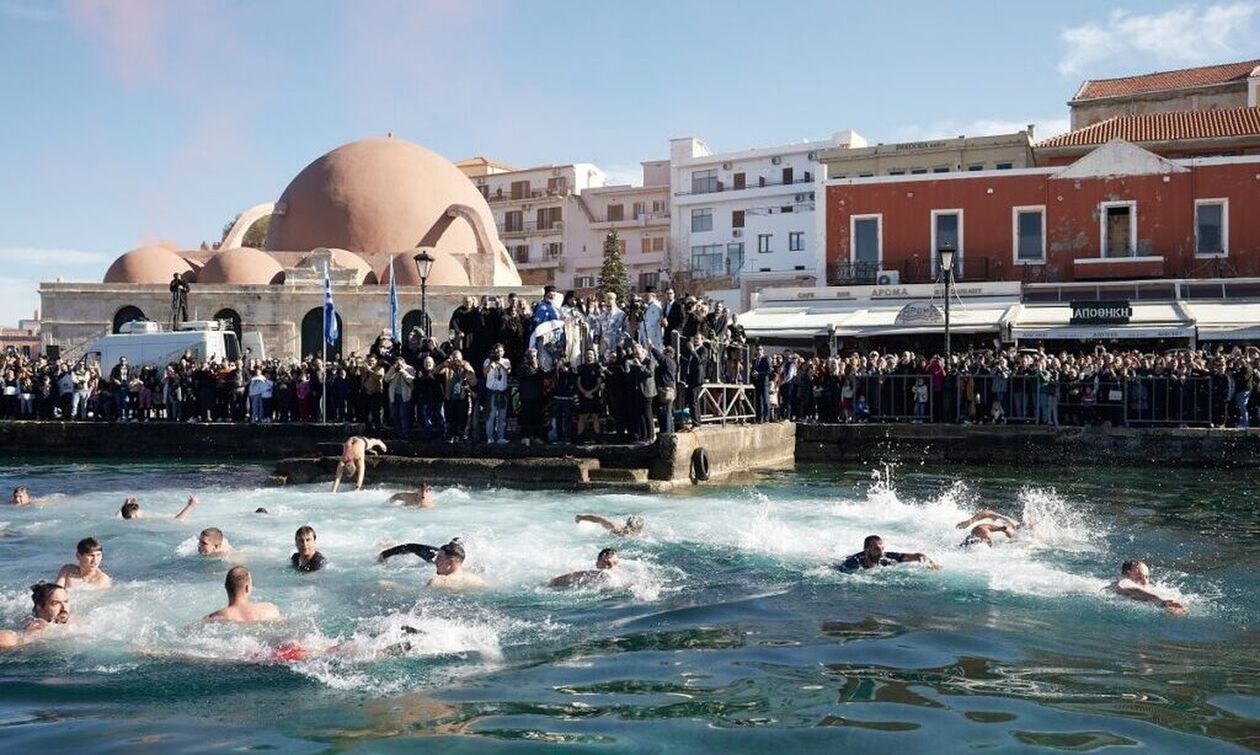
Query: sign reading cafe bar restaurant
column 1105, row 312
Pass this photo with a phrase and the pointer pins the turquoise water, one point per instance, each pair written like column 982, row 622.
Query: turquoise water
column 726, row 631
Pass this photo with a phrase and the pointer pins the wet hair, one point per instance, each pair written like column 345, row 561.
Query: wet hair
column 87, row 545
column 129, row 509
column 454, row 549
column 41, row 592
column 870, row 540
column 19, row 490
column 1130, row 565
column 305, row 529
column 261, row 510
column 213, row 534
column 605, row 553
column 634, row 523
column 236, row 579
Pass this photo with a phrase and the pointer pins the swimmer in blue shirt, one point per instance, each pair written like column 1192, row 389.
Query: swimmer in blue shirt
column 873, row 554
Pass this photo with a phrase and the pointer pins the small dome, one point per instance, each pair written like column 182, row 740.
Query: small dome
column 149, row 264
column 446, row 271
column 243, row 266
column 347, row 260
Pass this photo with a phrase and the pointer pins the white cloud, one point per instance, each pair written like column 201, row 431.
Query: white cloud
column 1182, row 36
column 947, row 129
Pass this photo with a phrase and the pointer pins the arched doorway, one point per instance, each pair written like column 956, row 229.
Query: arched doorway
column 413, row 319
column 126, row 315
column 313, row 335
column 233, row 317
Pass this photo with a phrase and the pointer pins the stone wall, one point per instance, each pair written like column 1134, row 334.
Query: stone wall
column 167, row 440
column 1028, row 445
column 732, row 449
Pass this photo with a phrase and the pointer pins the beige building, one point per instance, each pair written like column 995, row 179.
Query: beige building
column 639, row 215
column 360, row 212
column 962, row 153
column 1216, row 87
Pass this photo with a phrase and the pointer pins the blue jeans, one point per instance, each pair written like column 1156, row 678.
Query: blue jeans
column 496, row 423
column 256, row 408
column 120, row 402
column 1240, row 399
column 431, row 419
column 78, row 405
column 400, row 415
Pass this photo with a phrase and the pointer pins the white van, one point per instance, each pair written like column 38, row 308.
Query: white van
column 145, row 343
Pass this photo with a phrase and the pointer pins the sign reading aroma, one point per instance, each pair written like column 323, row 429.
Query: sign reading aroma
column 920, row 313
column 1106, row 312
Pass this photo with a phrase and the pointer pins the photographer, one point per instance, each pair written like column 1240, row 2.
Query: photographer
column 496, row 369
column 458, row 382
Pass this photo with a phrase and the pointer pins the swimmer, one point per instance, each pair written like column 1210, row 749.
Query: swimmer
column 22, row 496
column 353, row 458
column 605, row 562
column 131, row 508
column 449, row 560
column 51, row 605
column 307, row 558
column 983, row 533
column 422, row 498
column 240, row 585
column 1135, row 582
column 88, row 569
column 211, row 542
column 261, row 510
column 632, row 527
column 873, row 554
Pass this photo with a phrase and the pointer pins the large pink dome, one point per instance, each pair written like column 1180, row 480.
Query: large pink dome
column 244, row 266
column 446, row 271
column 149, row 264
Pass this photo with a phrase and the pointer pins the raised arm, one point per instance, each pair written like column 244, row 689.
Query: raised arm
column 595, row 518
column 374, row 444
column 987, row 514
column 188, row 507
column 426, row 552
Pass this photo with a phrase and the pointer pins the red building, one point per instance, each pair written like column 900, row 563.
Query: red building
column 1120, row 211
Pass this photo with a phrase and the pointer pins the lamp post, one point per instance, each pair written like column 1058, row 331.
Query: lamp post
column 946, row 256
column 424, row 264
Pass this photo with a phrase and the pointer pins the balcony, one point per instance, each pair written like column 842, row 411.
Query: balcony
column 642, row 219
column 502, row 196
column 529, row 227
column 550, row 257
column 761, row 183
column 913, row 270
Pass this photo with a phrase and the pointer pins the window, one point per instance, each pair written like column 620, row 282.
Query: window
column 734, row 258
column 649, row 280
column 584, row 281
column 548, row 218
column 737, row 218
column 658, row 244
column 658, row 205
column 976, row 166
column 867, row 238
column 1004, row 166
column 918, row 171
column 706, row 260
column 704, row 181
column 616, row 212
column 940, row 170
column 866, row 175
column 796, row 241
column 645, row 245
column 557, row 184
column 513, row 221
column 1118, row 228
column 553, row 249
column 520, row 252
column 520, row 189
column 763, row 243
column 1211, row 227
column 637, row 211
column 1028, row 231
column 702, row 220
column 785, row 208
column 947, row 230
column 896, row 172
column 740, row 180
column 787, row 175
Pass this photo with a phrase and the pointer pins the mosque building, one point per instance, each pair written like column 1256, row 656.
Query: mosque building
column 361, row 211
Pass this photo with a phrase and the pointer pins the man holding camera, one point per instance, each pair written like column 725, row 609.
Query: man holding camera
column 496, row 369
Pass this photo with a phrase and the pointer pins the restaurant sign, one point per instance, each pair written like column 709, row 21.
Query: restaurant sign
column 1105, row 312
column 920, row 313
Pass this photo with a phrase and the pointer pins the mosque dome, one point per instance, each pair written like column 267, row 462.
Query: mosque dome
column 348, row 260
column 149, row 264
column 446, row 271
column 242, row 266
column 373, row 196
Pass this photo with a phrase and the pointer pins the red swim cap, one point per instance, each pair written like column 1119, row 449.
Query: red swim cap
column 288, row 651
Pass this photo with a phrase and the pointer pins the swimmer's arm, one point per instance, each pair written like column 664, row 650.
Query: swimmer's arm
column 188, row 507
column 986, row 514
column 426, row 552
column 601, row 521
column 63, row 575
column 10, row 639
column 360, row 470
column 337, row 476
column 565, row 580
column 373, row 444
column 921, row 558
column 1145, row 596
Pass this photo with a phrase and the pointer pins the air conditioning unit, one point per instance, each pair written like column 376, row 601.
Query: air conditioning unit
column 812, row 156
column 726, row 166
column 738, row 233
column 888, row 278
column 801, row 197
column 776, row 160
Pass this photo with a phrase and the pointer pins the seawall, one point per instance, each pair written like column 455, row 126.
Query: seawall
column 168, row 440
column 1028, row 445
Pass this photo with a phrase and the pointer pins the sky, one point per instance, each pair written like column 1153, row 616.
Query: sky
column 127, row 122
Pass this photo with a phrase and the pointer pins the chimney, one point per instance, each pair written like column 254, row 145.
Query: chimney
column 1031, row 128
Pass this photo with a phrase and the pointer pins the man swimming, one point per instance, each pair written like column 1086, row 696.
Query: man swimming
column 1135, row 582
column 449, row 560
column 873, row 554
column 240, row 585
column 353, row 458
column 88, row 569
column 21, row 496
column 211, row 542
column 983, row 532
column 605, row 562
column 50, row 605
column 131, row 508
column 422, row 498
column 632, row 527
column 307, row 559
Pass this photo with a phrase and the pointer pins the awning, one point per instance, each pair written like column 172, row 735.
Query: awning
column 973, row 317
column 790, row 323
column 1150, row 320
column 785, row 322
column 1226, row 321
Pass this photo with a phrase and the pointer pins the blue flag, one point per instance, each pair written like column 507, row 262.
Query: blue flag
column 393, row 301
column 330, row 313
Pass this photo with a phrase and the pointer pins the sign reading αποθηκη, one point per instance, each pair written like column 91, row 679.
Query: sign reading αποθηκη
column 1105, row 312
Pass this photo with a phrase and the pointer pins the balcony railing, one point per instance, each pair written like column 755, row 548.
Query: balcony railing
column 507, row 196
column 913, row 270
column 530, row 226
column 760, row 183
column 641, row 218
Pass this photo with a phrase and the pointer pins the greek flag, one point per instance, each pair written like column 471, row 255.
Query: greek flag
column 393, row 301
column 330, row 313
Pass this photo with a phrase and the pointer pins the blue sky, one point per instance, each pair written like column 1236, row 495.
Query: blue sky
column 134, row 121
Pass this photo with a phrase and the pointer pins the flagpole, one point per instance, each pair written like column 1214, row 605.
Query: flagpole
column 323, row 388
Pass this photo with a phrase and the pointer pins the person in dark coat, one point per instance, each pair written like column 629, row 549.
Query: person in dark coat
column 531, row 389
column 666, row 386
column 641, row 379
column 694, row 358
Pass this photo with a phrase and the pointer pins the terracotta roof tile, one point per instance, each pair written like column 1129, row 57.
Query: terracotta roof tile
column 1163, row 127
column 1166, row 80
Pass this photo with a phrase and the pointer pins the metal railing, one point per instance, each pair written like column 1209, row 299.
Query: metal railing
column 927, row 270
column 1169, row 401
column 759, row 183
column 530, row 226
column 852, row 273
column 892, row 398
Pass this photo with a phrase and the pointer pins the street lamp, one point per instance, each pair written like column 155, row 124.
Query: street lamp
column 424, row 265
column 946, row 255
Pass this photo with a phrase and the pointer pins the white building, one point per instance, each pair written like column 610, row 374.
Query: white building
column 748, row 217
column 640, row 216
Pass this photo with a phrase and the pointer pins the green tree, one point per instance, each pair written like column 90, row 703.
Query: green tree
column 255, row 235
column 612, row 275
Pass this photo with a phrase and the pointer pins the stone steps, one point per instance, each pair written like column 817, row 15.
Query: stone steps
column 603, row 474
